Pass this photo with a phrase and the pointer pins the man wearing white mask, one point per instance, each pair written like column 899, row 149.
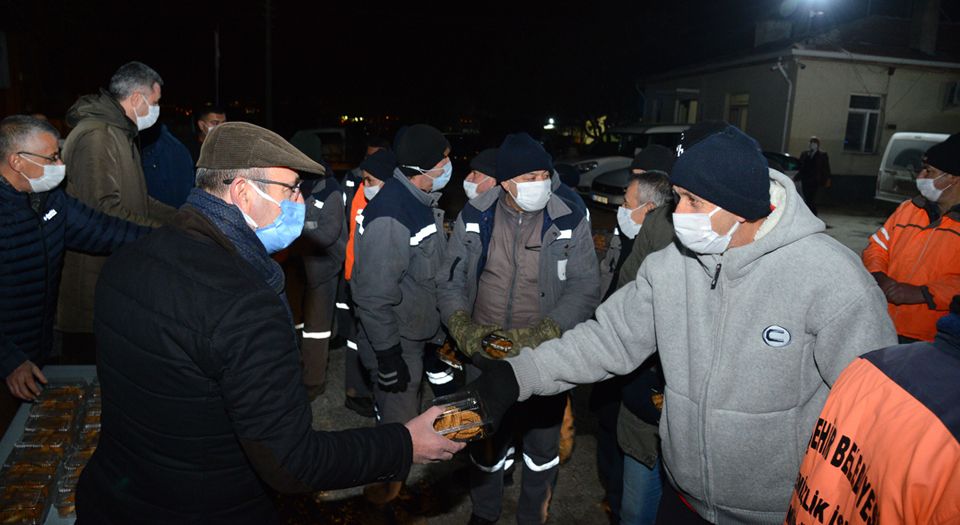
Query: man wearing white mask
column 398, row 247
column 520, row 264
column 198, row 361
column 754, row 312
column 39, row 221
column 914, row 255
column 103, row 158
column 483, row 172
column 645, row 197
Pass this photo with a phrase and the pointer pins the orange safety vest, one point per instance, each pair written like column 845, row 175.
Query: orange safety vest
column 911, row 249
column 357, row 205
column 878, row 454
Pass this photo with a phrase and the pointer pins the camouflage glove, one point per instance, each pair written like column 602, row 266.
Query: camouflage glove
column 467, row 333
column 545, row 330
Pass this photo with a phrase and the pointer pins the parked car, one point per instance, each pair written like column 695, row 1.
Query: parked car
column 608, row 188
column 901, row 163
column 785, row 164
column 617, row 152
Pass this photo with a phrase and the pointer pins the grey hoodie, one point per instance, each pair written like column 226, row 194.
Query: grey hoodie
column 748, row 364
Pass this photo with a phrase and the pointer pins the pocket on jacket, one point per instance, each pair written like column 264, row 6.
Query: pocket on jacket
column 753, row 458
column 422, row 265
column 680, row 442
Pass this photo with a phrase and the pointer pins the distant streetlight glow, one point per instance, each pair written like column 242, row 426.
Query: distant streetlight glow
column 550, row 124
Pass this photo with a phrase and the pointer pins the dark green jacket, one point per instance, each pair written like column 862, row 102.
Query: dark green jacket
column 638, row 436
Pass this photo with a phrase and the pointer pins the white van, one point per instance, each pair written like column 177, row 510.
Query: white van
column 902, row 160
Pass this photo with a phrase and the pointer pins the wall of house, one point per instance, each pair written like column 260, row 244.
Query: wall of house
column 912, row 100
column 767, row 99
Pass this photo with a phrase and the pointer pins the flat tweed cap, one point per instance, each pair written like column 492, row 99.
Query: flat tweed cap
column 241, row 145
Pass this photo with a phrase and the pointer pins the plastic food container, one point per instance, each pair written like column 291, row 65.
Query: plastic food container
column 463, row 418
column 450, row 355
column 496, row 346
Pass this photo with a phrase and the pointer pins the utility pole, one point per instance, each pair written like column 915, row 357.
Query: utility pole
column 268, row 69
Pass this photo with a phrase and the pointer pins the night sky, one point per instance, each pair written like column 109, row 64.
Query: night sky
column 498, row 60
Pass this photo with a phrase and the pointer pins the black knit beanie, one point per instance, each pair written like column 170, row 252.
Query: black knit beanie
column 727, row 169
column 654, row 158
column 946, row 155
column 520, row 154
column 485, row 162
column 420, row 146
column 381, row 164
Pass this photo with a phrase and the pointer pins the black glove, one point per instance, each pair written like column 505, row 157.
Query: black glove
column 497, row 387
column 392, row 372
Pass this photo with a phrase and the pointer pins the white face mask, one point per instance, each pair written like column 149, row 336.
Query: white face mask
column 153, row 113
column 470, row 188
column 533, row 196
column 814, row 146
column 371, row 191
column 928, row 190
column 696, row 232
column 625, row 220
column 53, row 175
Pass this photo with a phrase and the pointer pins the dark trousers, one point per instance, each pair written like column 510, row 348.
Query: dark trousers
column 673, row 511
column 538, row 421
column 318, row 310
column 605, row 403
column 810, row 194
column 395, row 407
column 356, row 377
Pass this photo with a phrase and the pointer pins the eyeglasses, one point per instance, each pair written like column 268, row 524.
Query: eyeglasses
column 294, row 188
column 52, row 158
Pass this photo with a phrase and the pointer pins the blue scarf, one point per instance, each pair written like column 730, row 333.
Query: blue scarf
column 228, row 219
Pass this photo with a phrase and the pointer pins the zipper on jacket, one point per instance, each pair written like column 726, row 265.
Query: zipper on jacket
column 46, row 261
column 716, row 276
column 513, row 278
column 714, row 360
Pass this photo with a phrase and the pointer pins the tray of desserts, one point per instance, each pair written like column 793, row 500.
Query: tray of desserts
column 47, row 445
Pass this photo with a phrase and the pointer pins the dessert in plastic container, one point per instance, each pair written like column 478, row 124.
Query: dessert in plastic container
column 449, row 354
column 496, row 346
column 463, row 417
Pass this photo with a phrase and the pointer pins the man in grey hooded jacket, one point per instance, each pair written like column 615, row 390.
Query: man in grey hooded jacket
column 754, row 311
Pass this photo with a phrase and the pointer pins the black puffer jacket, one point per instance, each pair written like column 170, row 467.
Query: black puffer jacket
column 34, row 230
column 203, row 403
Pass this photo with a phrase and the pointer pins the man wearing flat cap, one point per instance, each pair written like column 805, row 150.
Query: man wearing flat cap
column 915, row 255
column 203, row 402
column 754, row 312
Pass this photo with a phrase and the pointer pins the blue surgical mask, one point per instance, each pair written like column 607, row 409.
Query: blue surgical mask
column 284, row 229
column 444, row 178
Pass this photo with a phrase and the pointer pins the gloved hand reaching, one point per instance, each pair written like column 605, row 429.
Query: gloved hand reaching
column 497, row 387
column 467, row 333
column 392, row 372
column 532, row 336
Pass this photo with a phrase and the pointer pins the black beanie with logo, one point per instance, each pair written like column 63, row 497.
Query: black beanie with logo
column 728, row 169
